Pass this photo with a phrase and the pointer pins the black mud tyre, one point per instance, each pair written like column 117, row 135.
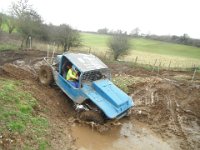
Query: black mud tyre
column 46, row 75
column 92, row 116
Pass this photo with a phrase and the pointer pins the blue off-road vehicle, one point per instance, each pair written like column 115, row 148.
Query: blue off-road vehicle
column 96, row 98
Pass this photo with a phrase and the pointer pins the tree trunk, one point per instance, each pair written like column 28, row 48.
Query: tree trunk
column 65, row 47
column 68, row 47
column 27, row 41
column 10, row 30
column 22, row 42
column 115, row 56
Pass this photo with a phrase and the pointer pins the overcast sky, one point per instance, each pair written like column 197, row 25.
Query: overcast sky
column 162, row 17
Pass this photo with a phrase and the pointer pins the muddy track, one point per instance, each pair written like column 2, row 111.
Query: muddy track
column 166, row 107
column 166, row 113
column 178, row 128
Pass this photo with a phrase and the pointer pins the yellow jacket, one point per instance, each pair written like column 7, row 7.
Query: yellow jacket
column 71, row 75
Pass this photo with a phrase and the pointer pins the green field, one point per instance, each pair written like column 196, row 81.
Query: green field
column 164, row 48
column 95, row 40
column 148, row 51
column 18, row 118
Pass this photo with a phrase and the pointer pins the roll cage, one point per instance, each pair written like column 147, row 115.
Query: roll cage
column 84, row 77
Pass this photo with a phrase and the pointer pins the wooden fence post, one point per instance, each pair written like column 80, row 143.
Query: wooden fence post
column 169, row 65
column 105, row 56
column 195, row 69
column 89, row 50
column 159, row 67
column 136, row 59
column 30, row 42
column 154, row 65
column 54, row 49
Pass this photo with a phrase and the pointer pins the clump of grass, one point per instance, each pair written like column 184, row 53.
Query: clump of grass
column 6, row 46
column 17, row 115
column 124, row 80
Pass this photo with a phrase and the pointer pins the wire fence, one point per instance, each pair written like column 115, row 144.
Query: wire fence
column 157, row 64
column 149, row 59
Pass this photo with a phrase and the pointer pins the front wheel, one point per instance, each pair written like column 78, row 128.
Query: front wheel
column 92, row 116
column 46, row 75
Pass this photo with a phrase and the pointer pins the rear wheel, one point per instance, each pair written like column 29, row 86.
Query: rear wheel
column 46, row 75
column 92, row 116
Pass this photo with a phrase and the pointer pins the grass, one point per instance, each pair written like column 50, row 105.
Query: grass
column 144, row 45
column 149, row 52
column 123, row 81
column 17, row 115
column 95, row 40
column 164, row 48
column 4, row 27
column 9, row 41
column 6, row 46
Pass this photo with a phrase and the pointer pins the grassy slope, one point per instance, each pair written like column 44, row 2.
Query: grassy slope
column 94, row 40
column 147, row 51
column 18, row 119
column 144, row 45
column 164, row 48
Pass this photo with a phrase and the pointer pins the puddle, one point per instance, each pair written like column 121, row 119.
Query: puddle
column 129, row 136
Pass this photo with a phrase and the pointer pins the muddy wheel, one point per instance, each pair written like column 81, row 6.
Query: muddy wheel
column 46, row 75
column 92, row 116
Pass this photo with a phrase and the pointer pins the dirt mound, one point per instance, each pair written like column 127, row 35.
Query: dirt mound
column 18, row 72
column 9, row 56
column 169, row 107
column 123, row 68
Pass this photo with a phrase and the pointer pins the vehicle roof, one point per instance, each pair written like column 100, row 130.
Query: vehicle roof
column 85, row 62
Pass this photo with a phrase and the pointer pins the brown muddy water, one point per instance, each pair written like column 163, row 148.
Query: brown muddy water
column 129, row 136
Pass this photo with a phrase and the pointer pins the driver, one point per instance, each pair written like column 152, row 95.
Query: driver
column 72, row 76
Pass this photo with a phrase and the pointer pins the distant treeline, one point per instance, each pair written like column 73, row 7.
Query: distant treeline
column 184, row 39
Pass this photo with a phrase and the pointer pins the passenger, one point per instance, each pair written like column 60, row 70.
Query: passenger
column 72, row 76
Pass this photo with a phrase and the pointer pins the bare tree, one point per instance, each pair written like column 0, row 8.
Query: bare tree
column 135, row 32
column 119, row 43
column 29, row 22
column 68, row 37
column 19, row 7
